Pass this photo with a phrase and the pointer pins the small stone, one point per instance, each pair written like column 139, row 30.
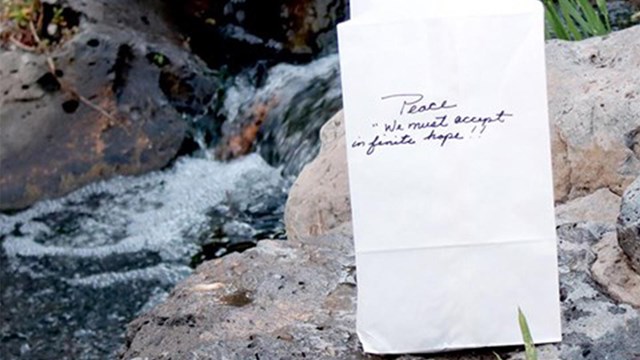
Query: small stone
column 208, row 287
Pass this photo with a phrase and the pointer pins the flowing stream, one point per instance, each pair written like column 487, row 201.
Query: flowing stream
column 76, row 270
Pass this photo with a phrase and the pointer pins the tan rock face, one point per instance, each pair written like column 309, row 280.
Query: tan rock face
column 601, row 207
column 612, row 270
column 594, row 107
column 319, row 199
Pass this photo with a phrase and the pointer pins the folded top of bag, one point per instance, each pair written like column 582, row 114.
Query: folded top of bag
column 373, row 11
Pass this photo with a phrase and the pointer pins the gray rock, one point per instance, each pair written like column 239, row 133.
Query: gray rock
column 629, row 224
column 594, row 102
column 139, row 76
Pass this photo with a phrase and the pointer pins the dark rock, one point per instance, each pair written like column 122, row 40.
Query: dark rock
column 629, row 224
column 620, row 13
column 237, row 33
column 106, row 111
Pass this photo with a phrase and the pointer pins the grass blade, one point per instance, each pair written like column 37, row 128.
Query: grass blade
column 529, row 347
column 602, row 6
column 567, row 10
column 595, row 22
column 577, row 14
column 554, row 21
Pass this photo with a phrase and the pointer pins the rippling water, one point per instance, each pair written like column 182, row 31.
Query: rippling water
column 76, row 270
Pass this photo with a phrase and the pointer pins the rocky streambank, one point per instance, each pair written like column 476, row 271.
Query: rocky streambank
column 296, row 299
column 112, row 87
column 132, row 93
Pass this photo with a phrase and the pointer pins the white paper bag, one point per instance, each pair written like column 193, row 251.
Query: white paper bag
column 450, row 174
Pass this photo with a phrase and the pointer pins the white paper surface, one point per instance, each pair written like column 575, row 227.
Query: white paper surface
column 453, row 215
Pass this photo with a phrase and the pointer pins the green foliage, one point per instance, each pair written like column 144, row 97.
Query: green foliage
column 529, row 347
column 58, row 17
column 21, row 12
column 576, row 19
column 159, row 59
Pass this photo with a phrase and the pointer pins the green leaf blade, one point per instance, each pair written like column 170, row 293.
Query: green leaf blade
column 529, row 346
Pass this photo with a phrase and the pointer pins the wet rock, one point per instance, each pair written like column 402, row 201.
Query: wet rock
column 594, row 103
column 629, row 224
column 236, row 34
column 319, row 199
column 281, row 118
column 88, row 121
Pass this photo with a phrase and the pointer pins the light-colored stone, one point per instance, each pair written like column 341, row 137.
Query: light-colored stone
column 629, row 224
column 319, row 199
column 613, row 271
column 601, row 207
column 594, row 107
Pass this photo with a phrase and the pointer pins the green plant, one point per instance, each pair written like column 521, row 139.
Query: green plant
column 576, row 19
column 529, row 347
column 159, row 59
column 20, row 12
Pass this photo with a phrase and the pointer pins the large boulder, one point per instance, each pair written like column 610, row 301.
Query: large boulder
column 113, row 106
column 594, row 102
